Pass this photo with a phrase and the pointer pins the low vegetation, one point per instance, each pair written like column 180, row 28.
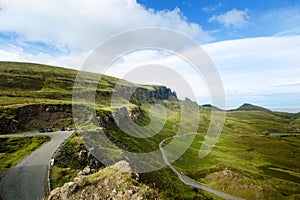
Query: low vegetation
column 108, row 183
column 247, row 162
column 59, row 176
column 13, row 149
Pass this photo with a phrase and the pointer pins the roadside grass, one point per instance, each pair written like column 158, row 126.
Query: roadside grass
column 69, row 149
column 170, row 186
column 13, row 149
column 59, row 176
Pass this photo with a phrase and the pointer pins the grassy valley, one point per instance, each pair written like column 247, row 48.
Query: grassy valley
column 247, row 160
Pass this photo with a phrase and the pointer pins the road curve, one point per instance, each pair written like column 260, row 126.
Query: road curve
column 27, row 179
column 190, row 181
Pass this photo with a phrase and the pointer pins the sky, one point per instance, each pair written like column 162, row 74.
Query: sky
column 254, row 45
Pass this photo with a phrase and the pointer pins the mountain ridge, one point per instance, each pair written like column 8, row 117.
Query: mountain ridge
column 36, row 78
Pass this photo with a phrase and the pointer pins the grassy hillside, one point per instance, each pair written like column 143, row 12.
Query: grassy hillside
column 248, row 161
column 13, row 149
column 24, row 84
column 27, row 83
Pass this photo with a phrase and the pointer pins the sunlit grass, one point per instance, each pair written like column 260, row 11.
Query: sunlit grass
column 13, row 149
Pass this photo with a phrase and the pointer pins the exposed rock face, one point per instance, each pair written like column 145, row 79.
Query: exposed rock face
column 7, row 125
column 76, row 156
column 140, row 95
column 106, row 184
column 35, row 116
column 151, row 96
column 122, row 166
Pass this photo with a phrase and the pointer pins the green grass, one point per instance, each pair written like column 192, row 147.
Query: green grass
column 13, row 149
column 28, row 83
column 59, row 176
column 263, row 166
column 70, row 150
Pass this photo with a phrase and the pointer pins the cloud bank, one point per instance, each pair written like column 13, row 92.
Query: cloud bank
column 82, row 24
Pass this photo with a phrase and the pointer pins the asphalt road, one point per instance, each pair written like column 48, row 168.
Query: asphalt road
column 190, row 181
column 27, row 180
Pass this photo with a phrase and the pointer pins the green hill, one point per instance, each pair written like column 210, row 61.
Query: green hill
column 250, row 107
column 246, row 162
column 34, row 95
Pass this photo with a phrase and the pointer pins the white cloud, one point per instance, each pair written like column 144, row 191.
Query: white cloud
column 141, row 60
column 232, row 19
column 261, row 70
column 73, row 60
column 212, row 8
column 83, row 24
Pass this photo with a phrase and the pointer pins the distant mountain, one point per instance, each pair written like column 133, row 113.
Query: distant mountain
column 250, row 107
column 209, row 106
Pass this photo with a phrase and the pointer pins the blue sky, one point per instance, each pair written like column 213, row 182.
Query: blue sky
column 255, row 44
column 254, row 18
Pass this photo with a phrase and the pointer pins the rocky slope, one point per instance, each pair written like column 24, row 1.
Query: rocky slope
column 109, row 183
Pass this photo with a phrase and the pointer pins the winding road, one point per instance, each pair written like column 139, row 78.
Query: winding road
column 190, row 181
column 27, row 179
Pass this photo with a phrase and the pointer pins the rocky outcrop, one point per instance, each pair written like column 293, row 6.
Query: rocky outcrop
column 8, row 124
column 109, row 183
column 75, row 155
column 139, row 95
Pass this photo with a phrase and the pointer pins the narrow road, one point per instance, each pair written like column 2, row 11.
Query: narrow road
column 27, row 179
column 190, row 181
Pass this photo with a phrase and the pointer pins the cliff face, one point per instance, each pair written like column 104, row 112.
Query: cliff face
column 160, row 93
column 33, row 117
column 139, row 95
